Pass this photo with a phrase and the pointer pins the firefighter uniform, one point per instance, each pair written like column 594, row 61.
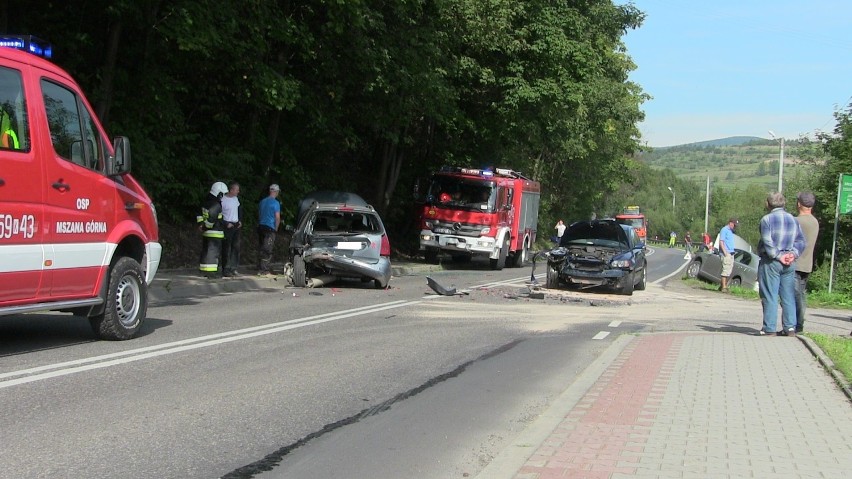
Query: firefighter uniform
column 212, row 230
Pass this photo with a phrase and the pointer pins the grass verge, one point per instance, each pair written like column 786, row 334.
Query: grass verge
column 838, row 349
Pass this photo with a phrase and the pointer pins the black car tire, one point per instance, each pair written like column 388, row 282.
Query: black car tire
column 500, row 263
column 693, row 269
column 640, row 286
column 378, row 284
column 126, row 302
column 300, row 274
column 736, row 281
column 552, row 281
column 431, row 256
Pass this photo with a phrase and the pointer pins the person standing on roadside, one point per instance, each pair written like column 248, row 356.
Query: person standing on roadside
column 805, row 201
column 211, row 226
column 672, row 239
column 726, row 249
column 560, row 230
column 687, row 241
column 781, row 243
column 269, row 220
column 708, row 243
column 232, row 214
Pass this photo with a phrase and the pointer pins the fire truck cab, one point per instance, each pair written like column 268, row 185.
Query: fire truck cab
column 633, row 216
column 468, row 211
column 77, row 232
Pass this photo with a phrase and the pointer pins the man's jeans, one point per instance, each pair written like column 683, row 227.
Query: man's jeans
column 777, row 282
column 801, row 299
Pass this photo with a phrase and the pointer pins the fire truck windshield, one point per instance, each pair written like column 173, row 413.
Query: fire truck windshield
column 634, row 222
column 452, row 192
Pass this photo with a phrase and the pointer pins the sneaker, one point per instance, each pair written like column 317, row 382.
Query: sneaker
column 764, row 333
column 788, row 332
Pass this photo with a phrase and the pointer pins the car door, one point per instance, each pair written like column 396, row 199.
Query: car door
column 22, row 221
column 80, row 199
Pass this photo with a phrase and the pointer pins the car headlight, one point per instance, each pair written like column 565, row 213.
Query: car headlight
column 485, row 230
column 622, row 263
column 428, row 224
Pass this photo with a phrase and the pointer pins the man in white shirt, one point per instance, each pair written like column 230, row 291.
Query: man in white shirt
column 560, row 230
column 232, row 216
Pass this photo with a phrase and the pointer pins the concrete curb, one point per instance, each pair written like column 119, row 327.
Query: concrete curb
column 514, row 456
column 828, row 364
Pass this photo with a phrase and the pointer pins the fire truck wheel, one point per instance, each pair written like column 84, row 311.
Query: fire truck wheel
column 126, row 302
column 300, row 275
column 500, row 263
column 519, row 259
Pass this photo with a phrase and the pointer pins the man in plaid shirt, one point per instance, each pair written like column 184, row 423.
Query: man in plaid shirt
column 781, row 242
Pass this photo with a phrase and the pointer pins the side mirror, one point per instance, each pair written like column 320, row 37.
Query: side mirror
column 120, row 163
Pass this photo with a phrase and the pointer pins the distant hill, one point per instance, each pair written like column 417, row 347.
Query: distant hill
column 738, row 160
column 729, row 141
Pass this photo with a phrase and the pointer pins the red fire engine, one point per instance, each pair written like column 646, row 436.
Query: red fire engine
column 634, row 217
column 470, row 212
column 77, row 231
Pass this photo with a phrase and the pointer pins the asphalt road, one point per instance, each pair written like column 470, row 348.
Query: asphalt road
column 345, row 381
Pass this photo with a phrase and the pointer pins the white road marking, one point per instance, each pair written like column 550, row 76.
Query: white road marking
column 677, row 271
column 615, row 324
column 114, row 359
column 601, row 335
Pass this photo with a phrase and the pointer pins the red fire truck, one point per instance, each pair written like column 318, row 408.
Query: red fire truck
column 77, row 231
column 469, row 212
column 634, row 217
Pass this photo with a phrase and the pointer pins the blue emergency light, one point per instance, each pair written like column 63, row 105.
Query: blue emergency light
column 28, row 43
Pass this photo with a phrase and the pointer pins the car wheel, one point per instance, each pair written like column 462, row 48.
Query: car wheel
column 552, row 281
column 644, row 281
column 300, row 275
column 693, row 269
column 431, row 255
column 378, row 284
column 735, row 281
column 126, row 302
column 500, row 263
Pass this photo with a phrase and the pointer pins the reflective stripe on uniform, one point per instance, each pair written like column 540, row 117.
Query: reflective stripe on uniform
column 208, row 268
column 213, row 234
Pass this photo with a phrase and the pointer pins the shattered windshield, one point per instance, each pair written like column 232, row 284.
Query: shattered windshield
column 462, row 193
column 349, row 222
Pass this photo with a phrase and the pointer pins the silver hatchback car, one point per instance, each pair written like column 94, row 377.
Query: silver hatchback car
column 339, row 235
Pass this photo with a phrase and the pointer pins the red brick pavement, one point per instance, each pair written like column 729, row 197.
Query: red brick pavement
column 612, row 418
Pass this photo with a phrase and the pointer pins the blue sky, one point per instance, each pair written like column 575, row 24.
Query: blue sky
column 740, row 68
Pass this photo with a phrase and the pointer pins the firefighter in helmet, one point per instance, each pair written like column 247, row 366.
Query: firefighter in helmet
column 211, row 224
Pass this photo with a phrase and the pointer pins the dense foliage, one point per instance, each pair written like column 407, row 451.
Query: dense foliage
column 362, row 95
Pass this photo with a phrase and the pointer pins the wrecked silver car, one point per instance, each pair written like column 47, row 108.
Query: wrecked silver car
column 598, row 253
column 339, row 235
